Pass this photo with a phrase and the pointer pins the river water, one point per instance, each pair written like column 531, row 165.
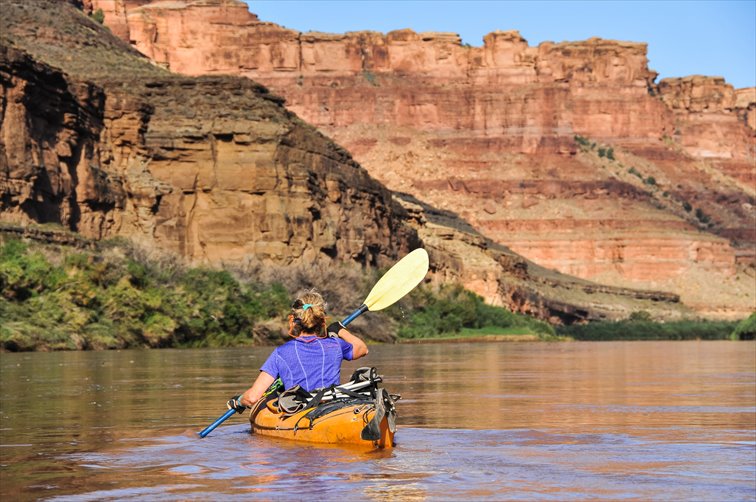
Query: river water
column 485, row 421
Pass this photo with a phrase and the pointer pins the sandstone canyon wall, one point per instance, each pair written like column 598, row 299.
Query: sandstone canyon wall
column 97, row 138
column 215, row 169
column 568, row 153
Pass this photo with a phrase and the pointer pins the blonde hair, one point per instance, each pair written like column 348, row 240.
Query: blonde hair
column 308, row 312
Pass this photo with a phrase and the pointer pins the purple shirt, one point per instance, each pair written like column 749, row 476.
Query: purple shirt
column 309, row 361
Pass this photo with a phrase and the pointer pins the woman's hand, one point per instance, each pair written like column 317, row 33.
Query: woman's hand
column 235, row 404
column 359, row 348
column 334, row 328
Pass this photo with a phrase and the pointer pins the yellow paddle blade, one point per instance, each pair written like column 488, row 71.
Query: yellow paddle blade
column 399, row 280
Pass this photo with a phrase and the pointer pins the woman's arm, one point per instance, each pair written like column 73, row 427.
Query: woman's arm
column 359, row 349
column 254, row 393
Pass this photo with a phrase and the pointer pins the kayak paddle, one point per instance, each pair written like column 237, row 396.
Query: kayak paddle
column 397, row 282
column 400, row 279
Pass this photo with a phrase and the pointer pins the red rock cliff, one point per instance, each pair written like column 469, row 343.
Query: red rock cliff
column 96, row 138
column 215, row 169
column 569, row 153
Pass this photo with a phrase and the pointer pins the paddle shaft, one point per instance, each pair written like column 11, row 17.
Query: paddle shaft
column 210, row 428
column 354, row 315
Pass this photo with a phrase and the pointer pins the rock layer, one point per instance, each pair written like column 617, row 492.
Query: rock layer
column 97, row 138
column 214, row 169
column 569, row 153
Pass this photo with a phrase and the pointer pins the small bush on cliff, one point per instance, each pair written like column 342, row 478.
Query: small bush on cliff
column 640, row 316
column 701, row 216
column 584, row 143
column 98, row 16
column 370, row 77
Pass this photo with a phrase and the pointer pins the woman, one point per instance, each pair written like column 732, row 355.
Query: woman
column 312, row 359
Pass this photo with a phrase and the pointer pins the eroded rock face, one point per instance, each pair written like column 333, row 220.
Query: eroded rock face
column 461, row 254
column 568, row 153
column 214, row 168
column 50, row 136
column 745, row 105
column 706, row 126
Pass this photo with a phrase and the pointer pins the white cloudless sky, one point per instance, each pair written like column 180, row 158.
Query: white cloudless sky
column 703, row 37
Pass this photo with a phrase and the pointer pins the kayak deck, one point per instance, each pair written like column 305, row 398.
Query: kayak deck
column 367, row 417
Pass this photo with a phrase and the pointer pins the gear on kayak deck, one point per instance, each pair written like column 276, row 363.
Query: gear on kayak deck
column 357, row 412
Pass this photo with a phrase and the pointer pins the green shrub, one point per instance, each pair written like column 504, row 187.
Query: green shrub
column 746, row 329
column 24, row 274
column 98, row 16
column 639, row 315
column 450, row 308
column 583, row 142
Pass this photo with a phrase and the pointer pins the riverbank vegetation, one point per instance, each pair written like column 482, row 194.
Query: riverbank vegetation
column 119, row 296
column 641, row 327
column 746, row 329
column 116, row 295
column 111, row 299
column 451, row 310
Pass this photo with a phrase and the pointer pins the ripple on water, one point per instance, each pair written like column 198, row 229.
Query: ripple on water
column 438, row 463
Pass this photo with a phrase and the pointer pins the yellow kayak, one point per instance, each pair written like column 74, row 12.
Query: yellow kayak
column 356, row 413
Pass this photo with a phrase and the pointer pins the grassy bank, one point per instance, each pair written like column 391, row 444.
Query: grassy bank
column 111, row 299
column 490, row 334
column 114, row 295
column 639, row 327
column 117, row 296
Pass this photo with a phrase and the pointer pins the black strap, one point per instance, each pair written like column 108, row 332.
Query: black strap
column 357, row 395
column 317, row 398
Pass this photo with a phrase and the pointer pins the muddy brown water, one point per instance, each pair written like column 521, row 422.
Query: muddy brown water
column 477, row 421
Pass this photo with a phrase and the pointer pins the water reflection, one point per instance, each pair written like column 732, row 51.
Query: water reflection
column 445, row 464
column 569, row 420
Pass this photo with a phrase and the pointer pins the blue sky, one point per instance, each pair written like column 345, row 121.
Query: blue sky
column 716, row 38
